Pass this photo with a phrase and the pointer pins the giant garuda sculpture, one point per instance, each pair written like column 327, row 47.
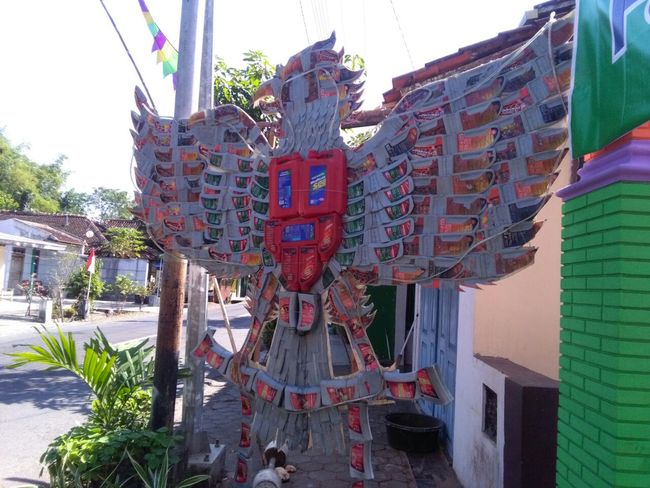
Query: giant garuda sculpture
column 445, row 190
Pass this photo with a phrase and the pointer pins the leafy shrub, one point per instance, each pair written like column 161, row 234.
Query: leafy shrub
column 93, row 455
column 132, row 408
column 123, row 287
column 77, row 284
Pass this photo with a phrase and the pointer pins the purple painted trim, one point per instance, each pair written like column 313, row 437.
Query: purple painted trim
column 630, row 162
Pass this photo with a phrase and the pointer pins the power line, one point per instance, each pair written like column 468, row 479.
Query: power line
column 319, row 15
column 304, row 21
column 144, row 85
column 399, row 25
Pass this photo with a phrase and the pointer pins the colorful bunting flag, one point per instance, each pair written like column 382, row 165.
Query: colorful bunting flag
column 166, row 53
column 610, row 94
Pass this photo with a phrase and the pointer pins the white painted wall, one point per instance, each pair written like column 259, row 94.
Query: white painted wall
column 3, row 266
column 136, row 269
column 27, row 264
column 50, row 261
column 478, row 461
column 57, row 266
column 6, row 252
column 15, row 227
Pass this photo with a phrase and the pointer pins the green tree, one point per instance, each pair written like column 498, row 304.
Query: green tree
column 124, row 242
column 27, row 185
column 108, row 203
column 7, row 202
column 238, row 85
column 74, row 202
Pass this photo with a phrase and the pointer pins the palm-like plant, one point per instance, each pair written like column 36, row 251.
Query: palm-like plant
column 113, row 375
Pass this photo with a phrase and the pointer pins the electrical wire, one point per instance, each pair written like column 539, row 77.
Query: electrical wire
column 320, row 17
column 399, row 25
column 304, row 21
column 128, row 53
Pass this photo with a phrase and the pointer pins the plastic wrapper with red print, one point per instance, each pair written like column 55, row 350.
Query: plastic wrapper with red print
column 360, row 460
column 246, row 405
column 431, row 386
column 298, row 399
column 401, row 386
column 268, row 389
column 241, row 475
column 216, row 356
column 308, row 307
column 358, row 422
column 245, row 442
column 338, row 391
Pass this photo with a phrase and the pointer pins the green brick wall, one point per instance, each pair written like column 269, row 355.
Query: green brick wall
column 604, row 415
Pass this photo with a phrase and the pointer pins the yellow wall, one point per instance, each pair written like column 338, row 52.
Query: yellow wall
column 519, row 317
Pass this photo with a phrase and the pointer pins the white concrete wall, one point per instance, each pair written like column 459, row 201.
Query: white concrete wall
column 56, row 266
column 478, row 461
column 27, row 264
column 6, row 253
column 136, row 269
column 3, row 267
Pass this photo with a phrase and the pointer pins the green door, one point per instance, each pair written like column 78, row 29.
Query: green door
column 382, row 331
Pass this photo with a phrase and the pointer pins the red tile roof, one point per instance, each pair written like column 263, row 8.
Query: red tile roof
column 123, row 223
column 470, row 56
column 56, row 235
column 465, row 58
column 75, row 225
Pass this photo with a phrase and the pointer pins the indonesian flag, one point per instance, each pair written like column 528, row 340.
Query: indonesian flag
column 90, row 264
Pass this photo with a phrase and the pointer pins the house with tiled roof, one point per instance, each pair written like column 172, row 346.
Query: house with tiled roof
column 77, row 234
column 31, row 248
column 143, row 269
column 79, row 226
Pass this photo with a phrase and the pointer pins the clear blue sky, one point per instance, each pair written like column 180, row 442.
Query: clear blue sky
column 67, row 85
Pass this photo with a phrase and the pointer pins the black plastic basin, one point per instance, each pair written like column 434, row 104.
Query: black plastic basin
column 413, row 432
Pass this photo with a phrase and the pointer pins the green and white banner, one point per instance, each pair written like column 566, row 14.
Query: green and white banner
column 611, row 74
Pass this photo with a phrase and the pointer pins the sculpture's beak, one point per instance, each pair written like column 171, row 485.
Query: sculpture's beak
column 265, row 91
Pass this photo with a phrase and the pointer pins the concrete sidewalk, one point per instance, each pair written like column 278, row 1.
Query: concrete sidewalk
column 14, row 313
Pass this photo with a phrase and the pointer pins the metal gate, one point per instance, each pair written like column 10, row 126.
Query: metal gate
column 436, row 337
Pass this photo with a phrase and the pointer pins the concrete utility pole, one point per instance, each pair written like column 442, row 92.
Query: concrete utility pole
column 197, row 312
column 174, row 272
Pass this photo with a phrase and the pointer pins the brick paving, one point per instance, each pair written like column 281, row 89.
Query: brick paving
column 392, row 468
column 221, row 419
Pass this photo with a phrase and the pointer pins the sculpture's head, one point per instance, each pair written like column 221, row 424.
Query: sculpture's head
column 310, row 76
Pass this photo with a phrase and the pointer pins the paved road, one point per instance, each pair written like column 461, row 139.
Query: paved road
column 36, row 405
